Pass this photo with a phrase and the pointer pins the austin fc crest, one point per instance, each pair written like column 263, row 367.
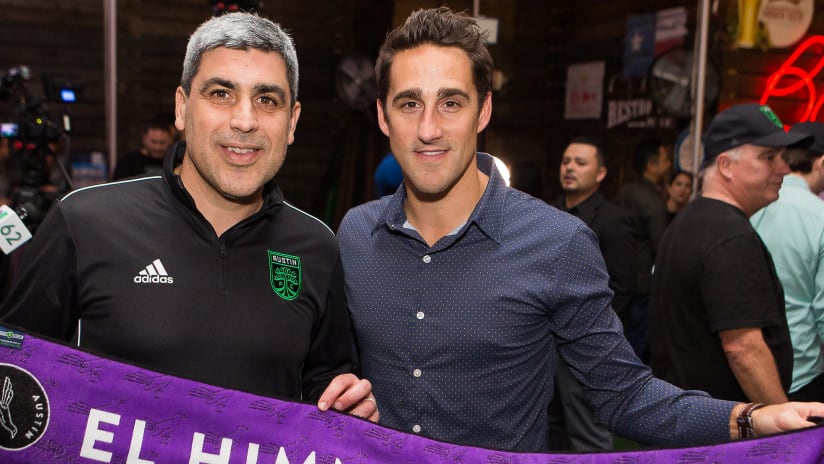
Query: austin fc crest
column 24, row 408
column 285, row 275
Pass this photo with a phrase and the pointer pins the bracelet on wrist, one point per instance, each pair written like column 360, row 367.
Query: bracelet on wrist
column 746, row 427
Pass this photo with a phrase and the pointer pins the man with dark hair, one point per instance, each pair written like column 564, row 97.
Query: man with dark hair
column 792, row 228
column 651, row 161
column 464, row 292
column 148, row 159
column 583, row 168
column 717, row 309
column 206, row 272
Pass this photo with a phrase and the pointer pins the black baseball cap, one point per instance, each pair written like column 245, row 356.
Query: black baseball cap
column 816, row 129
column 749, row 123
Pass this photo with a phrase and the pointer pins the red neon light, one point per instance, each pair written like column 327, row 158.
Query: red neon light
column 804, row 79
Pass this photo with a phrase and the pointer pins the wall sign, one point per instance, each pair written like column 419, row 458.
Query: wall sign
column 786, row 21
column 584, row 90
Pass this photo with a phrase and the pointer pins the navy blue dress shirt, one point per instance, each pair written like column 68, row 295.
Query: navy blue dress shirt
column 460, row 340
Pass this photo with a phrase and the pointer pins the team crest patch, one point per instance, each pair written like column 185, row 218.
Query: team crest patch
column 24, row 408
column 285, row 275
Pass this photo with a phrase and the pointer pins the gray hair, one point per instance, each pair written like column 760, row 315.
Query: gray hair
column 240, row 31
column 707, row 173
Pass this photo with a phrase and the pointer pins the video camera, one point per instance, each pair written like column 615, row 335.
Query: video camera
column 35, row 136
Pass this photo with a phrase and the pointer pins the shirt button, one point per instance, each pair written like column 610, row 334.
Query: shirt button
column 427, row 259
column 420, row 314
column 416, row 372
column 416, row 428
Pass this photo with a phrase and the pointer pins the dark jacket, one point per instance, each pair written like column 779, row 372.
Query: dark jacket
column 133, row 271
column 644, row 200
column 614, row 227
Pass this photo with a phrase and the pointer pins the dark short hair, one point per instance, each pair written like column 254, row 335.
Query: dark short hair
column 158, row 123
column 675, row 175
column 646, row 151
column 444, row 28
column 800, row 159
column 595, row 142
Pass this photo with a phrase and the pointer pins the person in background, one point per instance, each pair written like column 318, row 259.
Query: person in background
column 643, row 197
column 206, row 272
column 792, row 228
column 148, row 159
column 583, row 168
column 717, row 314
column 465, row 293
column 679, row 190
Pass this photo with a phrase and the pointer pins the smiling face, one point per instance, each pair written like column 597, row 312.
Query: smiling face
column 432, row 117
column 238, row 124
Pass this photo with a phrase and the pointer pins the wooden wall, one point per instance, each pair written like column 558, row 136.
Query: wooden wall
column 537, row 40
column 65, row 37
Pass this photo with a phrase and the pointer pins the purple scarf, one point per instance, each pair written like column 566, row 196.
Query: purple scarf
column 62, row 405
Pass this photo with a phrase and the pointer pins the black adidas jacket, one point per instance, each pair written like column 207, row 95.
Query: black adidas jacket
column 259, row 309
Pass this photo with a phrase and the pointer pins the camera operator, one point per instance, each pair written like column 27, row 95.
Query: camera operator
column 34, row 140
column 31, row 174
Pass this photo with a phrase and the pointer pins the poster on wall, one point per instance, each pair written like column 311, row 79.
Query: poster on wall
column 670, row 29
column 650, row 35
column 772, row 23
column 786, row 21
column 639, row 44
column 584, row 90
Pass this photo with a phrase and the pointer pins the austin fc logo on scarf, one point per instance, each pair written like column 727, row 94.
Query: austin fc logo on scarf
column 285, row 275
column 24, row 408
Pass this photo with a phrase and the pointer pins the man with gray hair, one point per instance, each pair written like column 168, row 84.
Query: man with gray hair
column 792, row 228
column 717, row 320
column 205, row 272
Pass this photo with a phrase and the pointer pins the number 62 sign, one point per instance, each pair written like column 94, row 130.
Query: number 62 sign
column 13, row 232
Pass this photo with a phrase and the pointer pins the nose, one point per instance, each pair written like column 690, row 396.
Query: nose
column 781, row 166
column 244, row 116
column 429, row 128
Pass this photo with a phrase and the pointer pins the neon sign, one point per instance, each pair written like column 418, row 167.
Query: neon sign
column 798, row 79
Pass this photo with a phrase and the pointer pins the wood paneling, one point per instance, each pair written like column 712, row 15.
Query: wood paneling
column 537, row 40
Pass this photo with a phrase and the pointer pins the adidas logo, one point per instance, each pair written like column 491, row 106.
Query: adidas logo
column 154, row 273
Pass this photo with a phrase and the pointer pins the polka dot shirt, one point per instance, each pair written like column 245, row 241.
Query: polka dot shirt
column 460, row 340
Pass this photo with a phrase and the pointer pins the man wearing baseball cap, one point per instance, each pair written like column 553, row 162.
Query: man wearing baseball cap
column 717, row 320
column 792, row 228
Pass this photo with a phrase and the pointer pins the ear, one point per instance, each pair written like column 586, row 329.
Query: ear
column 602, row 173
column 819, row 163
column 180, row 109
column 724, row 165
column 382, row 122
column 294, row 122
column 486, row 112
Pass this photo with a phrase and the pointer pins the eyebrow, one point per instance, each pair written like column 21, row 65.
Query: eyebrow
column 258, row 88
column 416, row 93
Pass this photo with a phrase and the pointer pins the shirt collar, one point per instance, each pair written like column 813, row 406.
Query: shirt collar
column 488, row 214
column 792, row 180
column 586, row 208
